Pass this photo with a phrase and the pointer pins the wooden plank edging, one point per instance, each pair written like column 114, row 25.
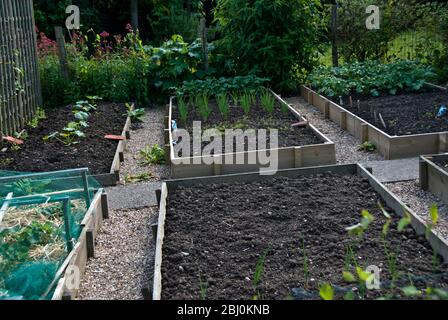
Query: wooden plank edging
column 312, row 155
column 439, row 244
column 79, row 256
column 391, row 147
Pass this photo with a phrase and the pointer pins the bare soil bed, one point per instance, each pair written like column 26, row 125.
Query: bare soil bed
column 442, row 164
column 94, row 151
column 215, row 235
column 403, row 114
column 258, row 118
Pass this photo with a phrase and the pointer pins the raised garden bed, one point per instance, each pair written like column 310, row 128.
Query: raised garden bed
column 49, row 223
column 212, row 232
column 434, row 175
column 298, row 146
column 100, row 155
column 411, row 128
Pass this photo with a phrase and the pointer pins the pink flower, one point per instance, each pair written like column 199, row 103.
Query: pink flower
column 104, row 34
column 129, row 27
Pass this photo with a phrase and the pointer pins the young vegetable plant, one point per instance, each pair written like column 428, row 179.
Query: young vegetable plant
column 223, row 105
column 153, row 155
column 183, row 109
column 267, row 101
column 136, row 115
column 259, row 269
column 306, row 271
column 434, row 216
column 246, row 102
column 203, row 102
column 367, row 146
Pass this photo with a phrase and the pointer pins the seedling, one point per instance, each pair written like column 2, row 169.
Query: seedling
column 223, row 105
column 203, row 102
column 143, row 177
column 153, row 155
column 203, row 287
column 38, row 117
column 306, row 271
column 326, row 292
column 246, row 102
column 259, row 269
column 183, row 109
column 267, row 101
column 434, row 219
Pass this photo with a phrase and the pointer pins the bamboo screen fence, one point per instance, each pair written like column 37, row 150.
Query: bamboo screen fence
column 20, row 92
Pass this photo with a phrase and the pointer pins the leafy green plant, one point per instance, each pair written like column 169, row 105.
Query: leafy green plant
column 183, row 109
column 371, row 78
column 153, row 155
column 38, row 117
column 223, row 105
column 326, row 292
column 267, row 101
column 136, row 115
column 367, row 146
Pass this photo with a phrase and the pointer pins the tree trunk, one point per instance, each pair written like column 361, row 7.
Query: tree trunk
column 134, row 14
column 334, row 33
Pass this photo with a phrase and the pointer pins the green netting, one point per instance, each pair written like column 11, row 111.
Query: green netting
column 40, row 220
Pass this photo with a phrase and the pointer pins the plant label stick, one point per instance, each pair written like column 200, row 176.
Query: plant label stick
column 359, row 105
column 382, row 120
column 351, row 102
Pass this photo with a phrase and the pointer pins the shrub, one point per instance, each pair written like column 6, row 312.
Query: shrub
column 270, row 38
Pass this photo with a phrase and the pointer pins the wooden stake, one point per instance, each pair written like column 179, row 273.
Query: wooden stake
column 62, row 52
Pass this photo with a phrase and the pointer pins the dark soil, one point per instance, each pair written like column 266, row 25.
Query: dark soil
column 215, row 234
column 404, row 114
column 93, row 151
column 442, row 164
column 258, row 118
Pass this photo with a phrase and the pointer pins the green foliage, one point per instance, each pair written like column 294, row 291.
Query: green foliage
column 267, row 101
column 367, row 146
column 153, row 155
column 203, row 104
column 213, row 86
column 127, row 72
column 223, row 104
column 259, row 269
column 246, row 102
column 326, row 292
column 38, row 117
column 136, row 115
column 183, row 109
column 404, row 222
column 270, row 38
column 371, row 77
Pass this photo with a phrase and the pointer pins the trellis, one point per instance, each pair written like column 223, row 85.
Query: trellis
column 20, row 92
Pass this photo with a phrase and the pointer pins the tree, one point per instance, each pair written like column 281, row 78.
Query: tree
column 270, row 38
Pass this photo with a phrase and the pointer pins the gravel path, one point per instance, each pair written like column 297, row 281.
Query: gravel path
column 420, row 201
column 124, row 259
column 346, row 144
column 124, row 256
column 149, row 133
